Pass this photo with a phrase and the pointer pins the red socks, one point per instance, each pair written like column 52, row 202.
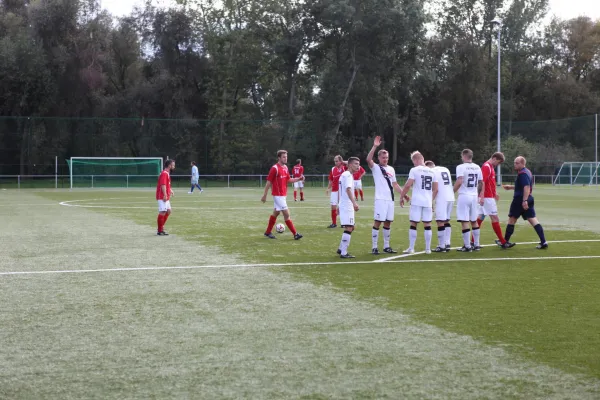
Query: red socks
column 498, row 231
column 361, row 195
column 301, row 195
column 333, row 216
column 290, row 226
column 160, row 221
column 272, row 220
column 295, row 196
column 355, row 194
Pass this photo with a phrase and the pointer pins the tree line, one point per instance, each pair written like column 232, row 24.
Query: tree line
column 227, row 83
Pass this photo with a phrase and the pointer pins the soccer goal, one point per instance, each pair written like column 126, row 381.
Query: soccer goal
column 114, row 172
column 578, row 173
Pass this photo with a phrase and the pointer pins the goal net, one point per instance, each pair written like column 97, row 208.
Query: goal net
column 578, row 173
column 114, row 172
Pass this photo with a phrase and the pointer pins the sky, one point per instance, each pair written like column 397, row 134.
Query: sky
column 564, row 9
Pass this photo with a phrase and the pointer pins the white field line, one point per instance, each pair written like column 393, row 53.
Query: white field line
column 387, row 259
column 305, row 264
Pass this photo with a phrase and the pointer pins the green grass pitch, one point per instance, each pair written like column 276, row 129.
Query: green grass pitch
column 94, row 305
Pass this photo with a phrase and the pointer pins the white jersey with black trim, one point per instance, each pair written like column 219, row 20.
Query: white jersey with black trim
column 422, row 188
column 444, row 180
column 346, row 181
column 471, row 174
column 383, row 183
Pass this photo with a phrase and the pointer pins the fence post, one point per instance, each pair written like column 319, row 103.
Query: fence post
column 596, row 147
column 260, row 180
column 56, row 172
column 92, row 181
column 18, row 181
column 228, row 181
column 127, row 178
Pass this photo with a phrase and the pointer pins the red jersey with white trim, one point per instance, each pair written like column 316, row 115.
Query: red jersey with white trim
column 334, row 177
column 163, row 179
column 358, row 174
column 489, row 180
column 297, row 171
column 279, row 177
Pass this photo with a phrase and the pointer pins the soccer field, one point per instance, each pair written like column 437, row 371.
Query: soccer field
column 95, row 305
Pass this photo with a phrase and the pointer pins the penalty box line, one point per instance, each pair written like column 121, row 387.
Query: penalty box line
column 242, row 266
column 388, row 259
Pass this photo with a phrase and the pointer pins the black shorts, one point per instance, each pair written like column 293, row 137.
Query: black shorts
column 516, row 208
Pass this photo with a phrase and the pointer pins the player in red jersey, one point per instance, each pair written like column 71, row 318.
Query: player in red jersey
column 357, row 176
column 334, row 185
column 163, row 196
column 278, row 179
column 489, row 206
column 298, row 171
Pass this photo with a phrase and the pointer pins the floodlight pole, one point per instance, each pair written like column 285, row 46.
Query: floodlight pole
column 596, row 146
column 498, row 22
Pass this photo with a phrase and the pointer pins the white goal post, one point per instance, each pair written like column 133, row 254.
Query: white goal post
column 114, row 171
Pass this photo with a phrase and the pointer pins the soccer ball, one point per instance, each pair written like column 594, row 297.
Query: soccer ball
column 279, row 228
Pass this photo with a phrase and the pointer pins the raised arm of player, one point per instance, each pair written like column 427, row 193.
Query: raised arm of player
column 376, row 144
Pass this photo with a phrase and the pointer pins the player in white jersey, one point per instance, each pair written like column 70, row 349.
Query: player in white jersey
column 469, row 184
column 425, row 186
column 444, row 201
column 195, row 178
column 347, row 205
column 384, row 177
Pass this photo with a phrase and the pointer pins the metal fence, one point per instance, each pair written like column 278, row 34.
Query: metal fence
column 183, row 181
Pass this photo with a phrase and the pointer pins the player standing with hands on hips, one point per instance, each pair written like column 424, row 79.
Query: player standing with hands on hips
column 384, row 177
column 278, row 179
column 163, row 196
column 522, row 205
column 347, row 205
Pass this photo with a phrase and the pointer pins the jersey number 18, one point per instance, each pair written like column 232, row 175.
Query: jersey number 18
column 426, row 182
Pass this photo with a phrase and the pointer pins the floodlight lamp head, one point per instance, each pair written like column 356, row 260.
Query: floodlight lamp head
column 496, row 21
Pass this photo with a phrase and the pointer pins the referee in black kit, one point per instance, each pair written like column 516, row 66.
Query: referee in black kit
column 522, row 205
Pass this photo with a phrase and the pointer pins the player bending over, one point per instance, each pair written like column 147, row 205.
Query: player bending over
column 298, row 171
column 347, row 205
column 444, row 201
column 334, row 185
column 358, row 183
column 384, row 177
column 522, row 205
column 425, row 186
column 469, row 186
column 278, row 179
column 163, row 196
column 195, row 178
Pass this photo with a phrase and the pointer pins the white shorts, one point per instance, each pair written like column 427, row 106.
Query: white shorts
column 347, row 217
column 489, row 207
column 194, row 181
column 466, row 208
column 333, row 198
column 418, row 214
column 164, row 206
column 443, row 210
column 384, row 210
column 299, row 184
column 357, row 184
column 280, row 203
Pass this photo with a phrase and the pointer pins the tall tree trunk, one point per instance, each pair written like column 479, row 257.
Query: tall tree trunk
column 340, row 114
